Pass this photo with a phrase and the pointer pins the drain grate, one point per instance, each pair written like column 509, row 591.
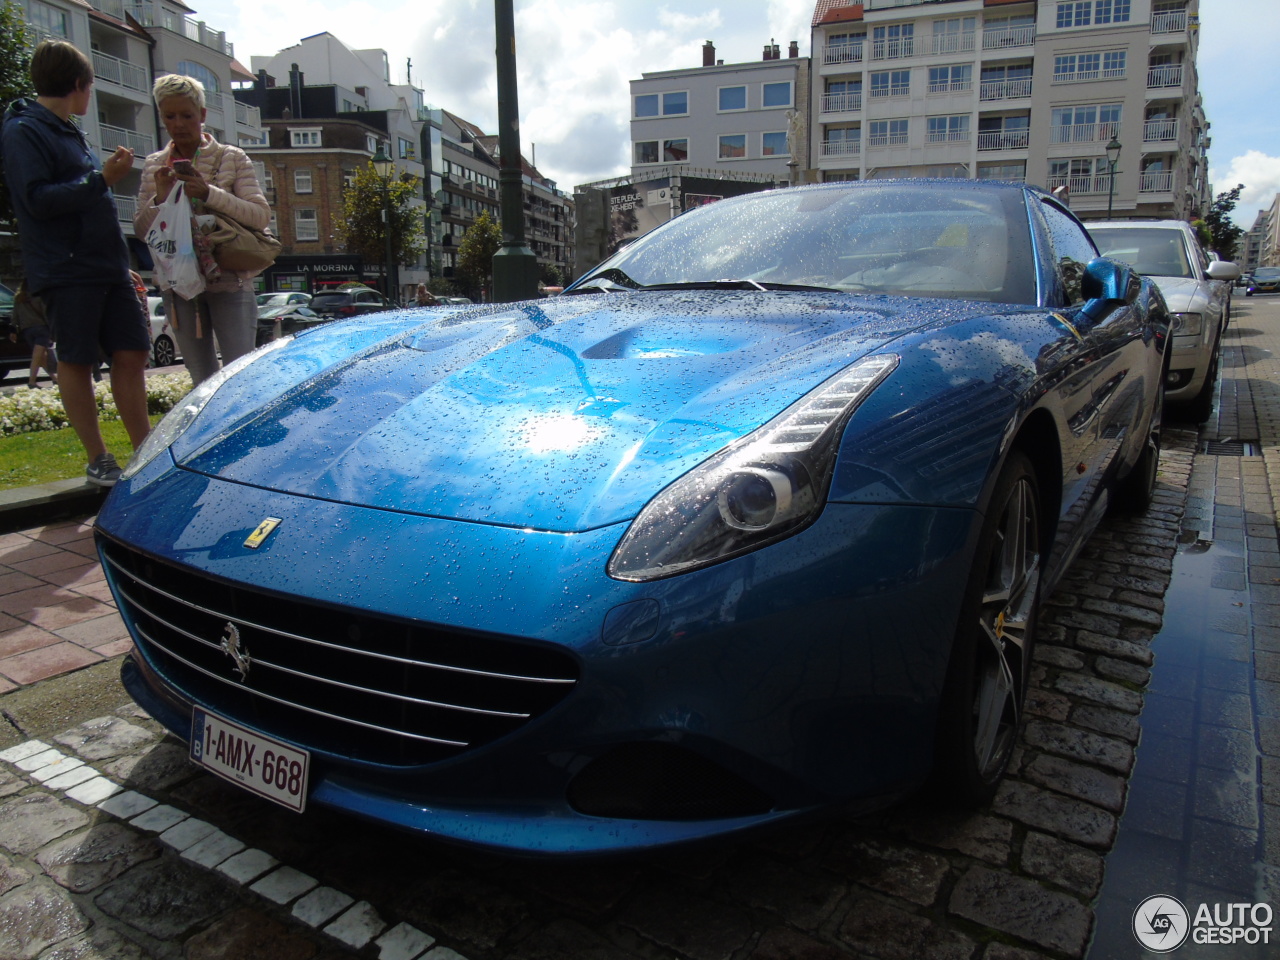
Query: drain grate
column 1229, row 448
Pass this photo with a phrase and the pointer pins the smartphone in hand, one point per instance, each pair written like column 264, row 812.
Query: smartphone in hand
column 184, row 167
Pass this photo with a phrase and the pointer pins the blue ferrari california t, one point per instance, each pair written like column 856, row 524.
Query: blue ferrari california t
column 752, row 521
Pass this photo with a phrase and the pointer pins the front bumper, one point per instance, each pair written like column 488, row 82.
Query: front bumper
column 808, row 671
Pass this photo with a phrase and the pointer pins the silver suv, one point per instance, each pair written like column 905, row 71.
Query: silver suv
column 1198, row 291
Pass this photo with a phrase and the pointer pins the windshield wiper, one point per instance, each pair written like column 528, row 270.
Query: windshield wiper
column 744, row 284
column 612, row 280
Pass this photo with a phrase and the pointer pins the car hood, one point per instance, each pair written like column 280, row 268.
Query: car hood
column 556, row 415
column 1183, row 294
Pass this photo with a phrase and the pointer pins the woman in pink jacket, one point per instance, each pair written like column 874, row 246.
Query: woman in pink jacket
column 217, row 177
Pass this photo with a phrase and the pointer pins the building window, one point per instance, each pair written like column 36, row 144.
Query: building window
column 892, row 41
column 302, row 181
column 672, row 104
column 198, row 71
column 1074, row 67
column 733, row 98
column 1076, row 13
column 887, row 133
column 948, row 129
column 891, row 83
column 305, row 224
column 774, row 144
column 305, row 138
column 954, row 36
column 957, row 78
column 371, row 144
column 673, row 151
column 406, row 149
column 268, row 181
column 733, row 146
column 776, row 95
column 1003, row 171
column 1087, row 123
column 48, row 20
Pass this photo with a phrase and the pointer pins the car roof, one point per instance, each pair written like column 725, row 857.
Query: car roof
column 1140, row 224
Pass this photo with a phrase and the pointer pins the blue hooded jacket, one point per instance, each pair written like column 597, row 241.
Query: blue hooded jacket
column 67, row 223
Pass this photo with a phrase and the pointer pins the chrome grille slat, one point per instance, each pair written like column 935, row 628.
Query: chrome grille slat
column 296, row 706
column 355, row 684
column 337, row 646
column 259, row 662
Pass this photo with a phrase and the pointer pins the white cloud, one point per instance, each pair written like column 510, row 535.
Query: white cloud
column 1260, row 175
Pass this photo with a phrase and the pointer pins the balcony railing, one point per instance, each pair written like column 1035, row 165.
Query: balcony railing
column 893, row 49
column 1168, row 75
column 1175, row 22
column 1004, row 89
column 841, row 102
column 951, row 86
column 993, row 38
column 841, row 148
column 887, row 140
column 1004, row 140
column 1083, row 132
column 1080, row 76
column 842, row 53
column 898, row 90
column 140, row 143
column 122, row 72
column 954, row 42
column 1158, row 182
column 126, row 207
column 1087, row 183
column 248, row 116
column 947, row 136
column 1159, row 131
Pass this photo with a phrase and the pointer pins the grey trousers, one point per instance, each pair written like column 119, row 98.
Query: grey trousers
column 233, row 317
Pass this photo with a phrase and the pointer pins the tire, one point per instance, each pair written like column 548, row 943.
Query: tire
column 981, row 707
column 1134, row 494
column 163, row 351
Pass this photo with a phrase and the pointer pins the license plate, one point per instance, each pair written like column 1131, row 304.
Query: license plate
column 260, row 764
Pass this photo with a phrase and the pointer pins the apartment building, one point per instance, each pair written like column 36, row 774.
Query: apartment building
column 739, row 120
column 130, row 44
column 355, row 81
column 1033, row 90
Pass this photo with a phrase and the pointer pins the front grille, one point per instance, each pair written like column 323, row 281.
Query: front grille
column 372, row 688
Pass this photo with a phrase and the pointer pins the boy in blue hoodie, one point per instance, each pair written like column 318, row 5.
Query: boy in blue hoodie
column 73, row 251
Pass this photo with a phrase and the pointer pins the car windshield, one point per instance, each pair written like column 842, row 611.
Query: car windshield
column 322, row 300
column 1267, row 273
column 1151, row 251
column 912, row 238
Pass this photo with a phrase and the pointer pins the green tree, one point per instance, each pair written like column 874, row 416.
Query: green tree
column 363, row 206
column 1225, row 234
column 16, row 45
column 475, row 254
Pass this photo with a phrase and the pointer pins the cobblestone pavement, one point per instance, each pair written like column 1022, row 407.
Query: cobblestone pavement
column 113, row 846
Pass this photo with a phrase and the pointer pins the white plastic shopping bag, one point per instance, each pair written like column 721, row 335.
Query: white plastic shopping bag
column 177, row 266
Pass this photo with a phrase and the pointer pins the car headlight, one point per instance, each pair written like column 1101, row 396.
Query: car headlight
column 176, row 421
column 1187, row 324
column 770, row 484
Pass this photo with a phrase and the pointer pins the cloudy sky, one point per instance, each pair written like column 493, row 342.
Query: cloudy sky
column 575, row 58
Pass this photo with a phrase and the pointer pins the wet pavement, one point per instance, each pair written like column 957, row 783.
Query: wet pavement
column 1151, row 744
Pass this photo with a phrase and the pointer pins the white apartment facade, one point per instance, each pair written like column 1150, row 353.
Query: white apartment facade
column 1031, row 90
column 740, row 120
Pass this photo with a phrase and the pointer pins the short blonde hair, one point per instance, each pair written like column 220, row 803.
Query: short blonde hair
column 176, row 85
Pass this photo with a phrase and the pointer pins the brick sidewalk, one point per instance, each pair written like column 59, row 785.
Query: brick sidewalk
column 56, row 613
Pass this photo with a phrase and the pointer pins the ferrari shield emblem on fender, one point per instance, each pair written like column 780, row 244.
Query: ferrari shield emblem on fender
column 262, row 532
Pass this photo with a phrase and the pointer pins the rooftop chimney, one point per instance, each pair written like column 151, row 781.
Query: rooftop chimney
column 768, row 51
column 708, row 54
column 793, row 51
column 776, row 53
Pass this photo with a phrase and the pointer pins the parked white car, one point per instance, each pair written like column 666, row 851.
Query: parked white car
column 1198, row 291
column 164, row 351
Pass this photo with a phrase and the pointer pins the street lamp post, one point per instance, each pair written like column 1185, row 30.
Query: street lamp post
column 385, row 167
column 1113, row 157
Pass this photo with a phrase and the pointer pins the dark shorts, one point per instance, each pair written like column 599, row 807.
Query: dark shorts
column 95, row 317
column 37, row 336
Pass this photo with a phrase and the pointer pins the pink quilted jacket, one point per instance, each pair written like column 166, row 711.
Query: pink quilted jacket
column 233, row 190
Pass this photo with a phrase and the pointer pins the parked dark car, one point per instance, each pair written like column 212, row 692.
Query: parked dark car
column 283, row 298
column 276, row 322
column 755, row 519
column 342, row 304
column 1264, row 280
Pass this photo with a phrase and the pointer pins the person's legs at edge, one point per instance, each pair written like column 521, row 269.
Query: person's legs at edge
column 234, row 320
column 129, row 388
column 197, row 352
column 81, row 406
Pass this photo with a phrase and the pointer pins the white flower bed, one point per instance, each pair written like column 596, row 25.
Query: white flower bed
column 26, row 410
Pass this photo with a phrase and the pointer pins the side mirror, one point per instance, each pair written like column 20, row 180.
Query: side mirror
column 1223, row 270
column 1107, row 284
